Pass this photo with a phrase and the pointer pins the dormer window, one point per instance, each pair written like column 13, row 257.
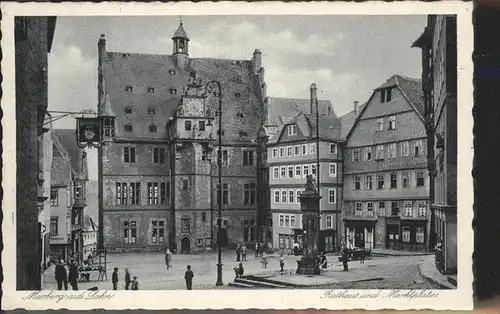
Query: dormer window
column 128, row 88
column 128, row 128
column 128, row 110
column 151, row 111
column 151, row 90
column 173, row 91
column 385, row 95
column 292, row 129
column 152, row 128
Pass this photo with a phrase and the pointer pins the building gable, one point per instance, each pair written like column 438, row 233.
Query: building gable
column 403, row 92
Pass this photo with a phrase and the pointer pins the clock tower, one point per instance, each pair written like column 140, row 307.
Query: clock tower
column 191, row 131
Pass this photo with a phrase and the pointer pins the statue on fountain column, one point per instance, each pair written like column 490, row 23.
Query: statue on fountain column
column 310, row 184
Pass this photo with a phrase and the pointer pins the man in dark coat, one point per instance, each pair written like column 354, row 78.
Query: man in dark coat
column 127, row 279
column 345, row 257
column 73, row 275
column 61, row 275
column 114, row 278
column 188, row 276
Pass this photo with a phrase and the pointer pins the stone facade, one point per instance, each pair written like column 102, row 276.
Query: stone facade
column 386, row 184
column 439, row 74
column 33, row 38
column 147, row 94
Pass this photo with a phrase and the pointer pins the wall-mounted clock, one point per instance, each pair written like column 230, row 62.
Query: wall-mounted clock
column 194, row 107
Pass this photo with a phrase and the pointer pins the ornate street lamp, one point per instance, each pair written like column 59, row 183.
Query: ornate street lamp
column 214, row 88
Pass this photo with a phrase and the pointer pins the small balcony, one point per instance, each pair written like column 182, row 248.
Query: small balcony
column 43, row 194
column 79, row 202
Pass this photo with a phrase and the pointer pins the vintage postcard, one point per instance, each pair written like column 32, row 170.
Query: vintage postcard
column 237, row 155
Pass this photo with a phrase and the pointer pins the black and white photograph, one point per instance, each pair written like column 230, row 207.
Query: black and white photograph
column 254, row 153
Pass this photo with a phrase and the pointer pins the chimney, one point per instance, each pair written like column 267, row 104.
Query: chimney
column 356, row 107
column 257, row 61
column 313, row 90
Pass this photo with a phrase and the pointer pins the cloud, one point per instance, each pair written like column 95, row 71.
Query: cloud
column 72, row 87
column 72, row 82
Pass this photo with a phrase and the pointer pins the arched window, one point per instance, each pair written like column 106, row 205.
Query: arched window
column 209, row 112
column 152, row 128
column 128, row 128
column 128, row 110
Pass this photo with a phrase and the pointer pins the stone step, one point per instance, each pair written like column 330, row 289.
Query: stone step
column 240, row 285
column 258, row 283
column 268, row 279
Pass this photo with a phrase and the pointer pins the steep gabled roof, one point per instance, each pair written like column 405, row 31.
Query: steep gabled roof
column 240, row 88
column 282, row 110
column 411, row 89
column 348, row 120
column 329, row 127
column 61, row 167
column 67, row 138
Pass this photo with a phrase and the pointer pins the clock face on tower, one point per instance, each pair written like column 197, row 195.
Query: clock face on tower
column 194, row 107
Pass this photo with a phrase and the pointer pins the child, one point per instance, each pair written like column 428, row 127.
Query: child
column 282, row 262
column 188, row 276
column 114, row 278
column 135, row 284
column 264, row 260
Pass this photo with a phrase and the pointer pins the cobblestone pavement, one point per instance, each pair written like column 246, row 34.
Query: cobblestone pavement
column 150, row 268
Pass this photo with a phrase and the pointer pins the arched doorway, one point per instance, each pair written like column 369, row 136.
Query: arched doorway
column 223, row 241
column 185, row 245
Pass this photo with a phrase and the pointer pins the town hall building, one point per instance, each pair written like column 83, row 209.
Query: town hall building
column 158, row 178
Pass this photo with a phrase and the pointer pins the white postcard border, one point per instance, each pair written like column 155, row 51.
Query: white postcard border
column 461, row 298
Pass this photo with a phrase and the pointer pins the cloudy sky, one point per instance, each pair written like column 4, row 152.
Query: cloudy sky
column 346, row 56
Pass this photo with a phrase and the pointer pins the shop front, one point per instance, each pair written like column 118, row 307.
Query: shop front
column 392, row 238
column 360, row 233
column 413, row 235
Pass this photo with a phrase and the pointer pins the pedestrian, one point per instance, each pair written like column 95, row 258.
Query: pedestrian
column 238, row 252
column 73, row 274
column 261, row 249
column 244, row 252
column 114, row 278
column 135, row 284
column 296, row 249
column 282, row 263
column 345, row 257
column 127, row 279
column 362, row 255
column 323, row 262
column 264, row 260
column 188, row 276
column 168, row 258
column 257, row 249
column 89, row 259
column 61, row 275
column 239, row 271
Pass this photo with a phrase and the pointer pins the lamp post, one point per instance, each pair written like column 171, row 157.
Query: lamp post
column 213, row 87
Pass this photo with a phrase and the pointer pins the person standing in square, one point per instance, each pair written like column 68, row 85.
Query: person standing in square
column 114, row 278
column 127, row 279
column 188, row 276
